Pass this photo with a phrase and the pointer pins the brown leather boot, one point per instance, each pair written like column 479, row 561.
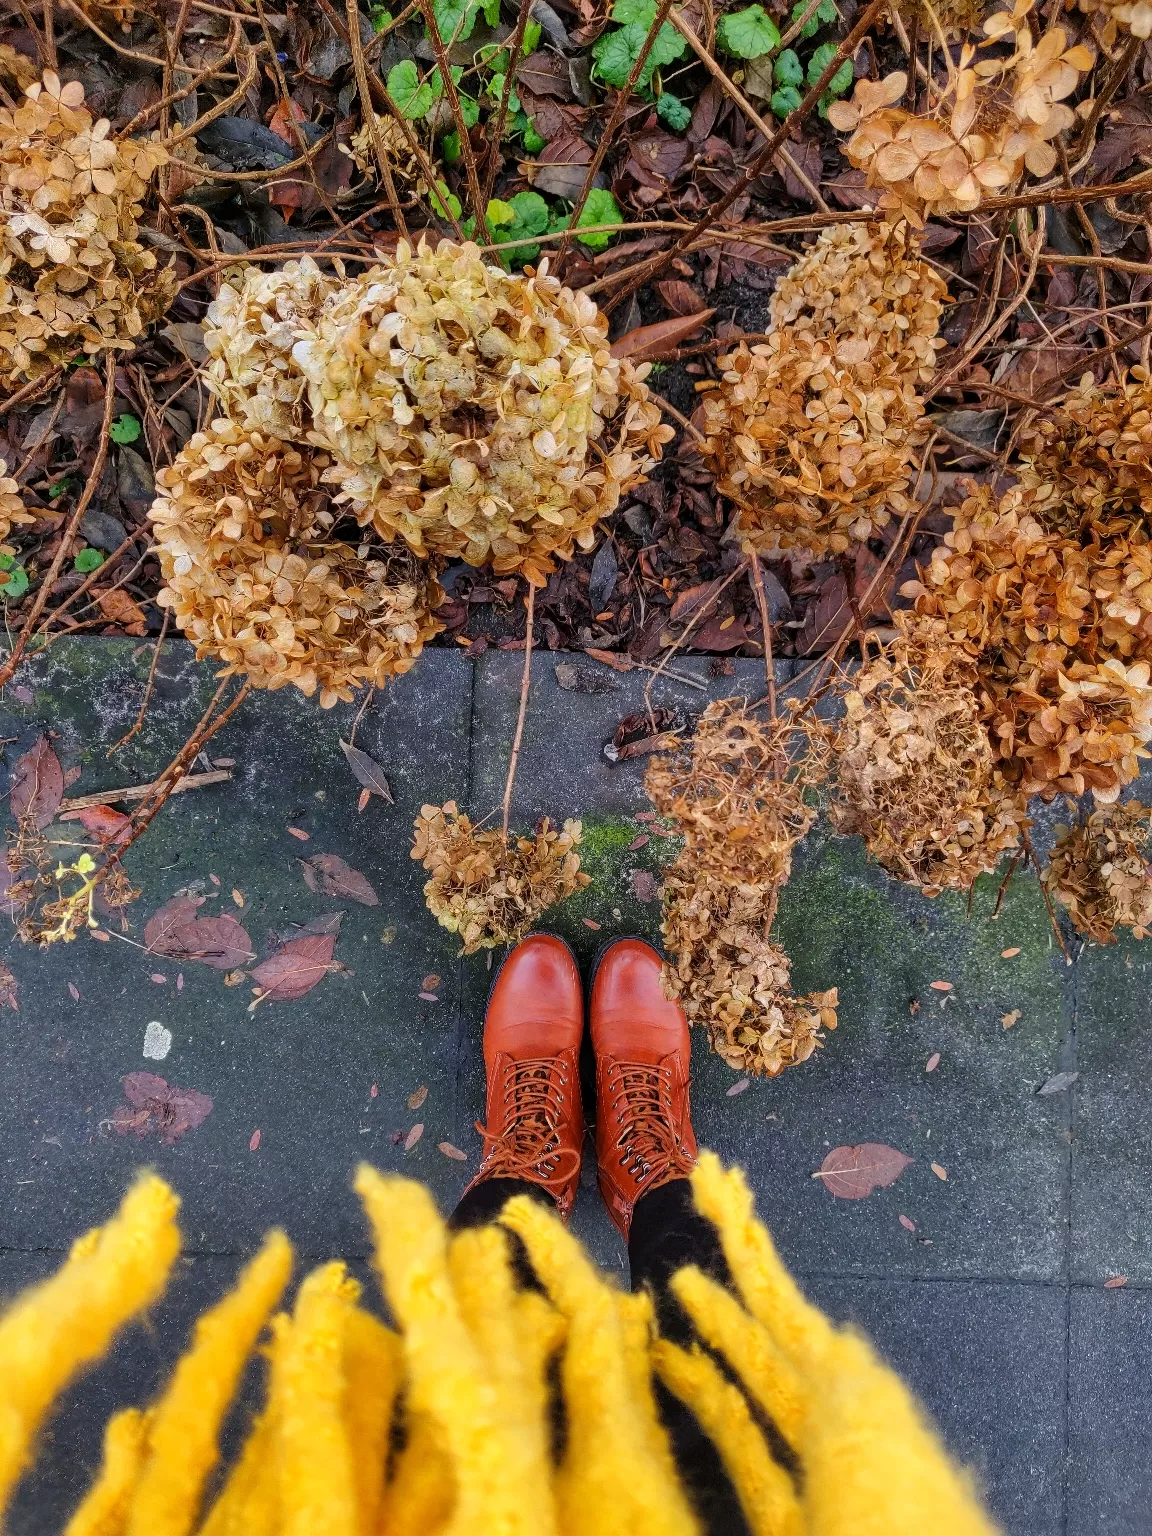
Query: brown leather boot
column 643, row 1126
column 532, row 1033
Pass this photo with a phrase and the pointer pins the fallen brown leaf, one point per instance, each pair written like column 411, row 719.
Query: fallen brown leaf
column 300, row 963
column 933, row 1062
column 37, row 784
column 739, row 1087
column 416, row 1099
column 453, row 1152
column 649, row 341
column 940, row 1172
column 1006, row 954
column 175, row 930
column 851, row 1173
column 254, row 1141
column 413, row 1136
column 331, row 876
column 1116, row 1283
column 154, row 1105
column 8, row 989
column 940, row 986
column 1008, row 1019
column 367, row 771
column 907, row 1223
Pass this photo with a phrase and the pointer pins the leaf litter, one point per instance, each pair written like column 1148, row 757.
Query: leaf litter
column 852, row 1173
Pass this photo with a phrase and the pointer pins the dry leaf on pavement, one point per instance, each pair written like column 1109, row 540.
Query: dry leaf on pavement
column 417, row 1098
column 367, row 771
column 37, row 784
column 331, row 876
column 851, row 1173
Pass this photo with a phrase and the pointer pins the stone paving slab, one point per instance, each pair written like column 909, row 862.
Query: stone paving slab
column 1110, row 1422
column 300, row 1072
column 987, row 1361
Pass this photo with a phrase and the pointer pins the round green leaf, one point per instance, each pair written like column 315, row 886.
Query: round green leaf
column 785, row 100
column 15, row 583
column 748, row 34
column 125, row 429
column 788, row 69
column 673, row 113
column 89, row 560
column 601, row 208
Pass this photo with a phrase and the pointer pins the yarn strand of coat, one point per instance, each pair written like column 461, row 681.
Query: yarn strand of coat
column 525, row 682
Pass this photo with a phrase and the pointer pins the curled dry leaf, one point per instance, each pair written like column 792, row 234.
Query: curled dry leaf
column 851, row 1173
column 37, row 785
column 331, row 876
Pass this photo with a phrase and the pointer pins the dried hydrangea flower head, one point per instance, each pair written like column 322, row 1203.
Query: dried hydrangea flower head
column 361, row 150
column 487, row 889
column 914, row 768
column 1088, row 461
column 1063, row 684
column 730, row 978
column 257, row 576
column 866, row 289
column 816, row 434
column 1133, row 16
column 737, row 793
column 468, row 408
column 996, row 118
column 249, row 332
column 73, row 276
column 17, row 66
column 12, row 508
column 1100, row 871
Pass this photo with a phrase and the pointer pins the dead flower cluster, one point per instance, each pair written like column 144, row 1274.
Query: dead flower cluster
column 73, row 276
column 12, row 508
column 473, row 412
column 737, row 792
column 816, row 434
column 1133, row 16
column 915, row 773
column 1059, row 631
column 488, row 890
column 1099, row 870
column 995, row 118
column 258, row 575
column 389, row 133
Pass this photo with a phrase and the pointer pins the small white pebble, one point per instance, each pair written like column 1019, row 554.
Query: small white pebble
column 157, row 1041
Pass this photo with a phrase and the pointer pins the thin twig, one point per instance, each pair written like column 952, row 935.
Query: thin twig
column 525, row 682
column 40, row 601
column 141, row 791
column 766, row 626
column 127, row 737
column 1031, row 852
column 360, row 713
column 688, row 628
column 368, row 113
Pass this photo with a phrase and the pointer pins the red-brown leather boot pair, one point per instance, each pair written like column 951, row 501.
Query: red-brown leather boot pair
column 532, row 1034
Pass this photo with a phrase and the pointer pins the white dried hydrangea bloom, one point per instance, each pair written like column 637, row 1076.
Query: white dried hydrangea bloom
column 466, row 408
column 250, row 330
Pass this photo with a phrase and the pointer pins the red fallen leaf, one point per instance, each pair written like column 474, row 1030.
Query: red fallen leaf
column 175, row 930
column 428, row 997
column 374, row 1091
column 453, row 1152
column 933, row 1062
column 643, row 885
column 940, row 986
column 651, row 341
column 302, row 835
column 98, row 933
column 744, row 1083
column 9, row 905
column 362, row 802
column 417, row 1097
column 154, row 1105
column 331, row 876
column 8, row 989
column 104, row 823
column 158, row 977
column 1116, row 1282
column 610, row 659
column 254, row 1141
column 639, row 842
column 907, row 1223
column 851, row 1173
column 37, row 785
column 430, row 982
column 75, row 991
column 299, row 963
column 590, row 922
column 413, row 1136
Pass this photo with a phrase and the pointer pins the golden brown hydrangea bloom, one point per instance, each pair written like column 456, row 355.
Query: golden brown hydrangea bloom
column 1133, row 16
column 816, row 435
column 12, row 509
column 1100, row 872
column 73, row 276
column 257, row 576
column 915, row 771
column 737, row 793
column 1058, row 636
column 1088, row 461
column 996, row 118
column 487, row 889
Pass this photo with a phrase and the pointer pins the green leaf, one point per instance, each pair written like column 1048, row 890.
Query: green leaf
column 16, row 584
column 443, row 201
column 380, row 18
column 491, row 9
column 88, row 560
column 820, row 61
column 125, row 429
column 495, row 89
column 469, row 109
column 824, row 14
column 788, row 69
column 533, row 142
column 601, row 208
column 673, row 113
column 499, row 214
column 530, row 215
column 531, row 37
column 841, row 81
column 531, row 212
column 410, row 97
column 748, row 34
column 59, row 488
column 454, row 19
column 450, row 148
column 641, row 12
column 616, row 52
column 6, row 561
column 785, row 100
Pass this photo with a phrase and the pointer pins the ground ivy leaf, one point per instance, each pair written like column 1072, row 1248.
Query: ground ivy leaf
column 748, row 34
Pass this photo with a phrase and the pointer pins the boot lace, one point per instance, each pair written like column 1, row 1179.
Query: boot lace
column 529, row 1146
column 640, row 1095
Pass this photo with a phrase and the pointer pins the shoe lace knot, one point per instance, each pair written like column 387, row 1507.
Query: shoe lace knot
column 651, row 1150
column 533, row 1091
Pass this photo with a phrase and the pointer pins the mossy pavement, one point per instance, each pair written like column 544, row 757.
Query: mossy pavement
column 981, row 1273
